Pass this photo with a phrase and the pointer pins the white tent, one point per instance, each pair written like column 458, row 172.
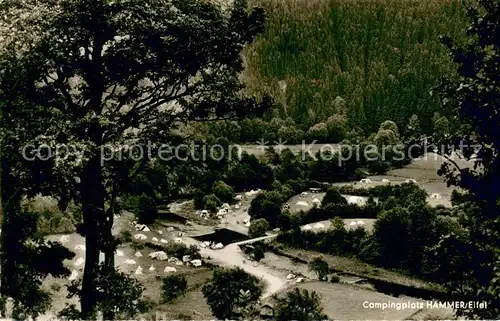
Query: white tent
column 319, row 226
column 219, row 246
column 238, row 197
column 353, row 223
column 145, row 229
column 73, row 275
column 163, row 241
column 141, row 237
column 307, row 227
column 119, row 253
column 245, row 221
column 155, row 239
column 196, row 263
column 411, row 180
column 302, row 203
column 355, row 200
column 299, row 280
column 290, row 276
column 160, row 232
column 186, row 258
column 303, row 194
column 130, row 262
column 236, row 207
column 80, row 247
column 179, row 263
column 169, row 269
column 79, row 262
column 138, row 254
column 316, row 201
column 64, row 239
column 172, row 259
column 385, row 181
column 207, row 243
column 360, row 223
column 203, row 245
column 138, row 270
column 152, row 268
column 178, row 240
column 160, row 255
column 366, row 181
column 247, row 224
column 225, row 206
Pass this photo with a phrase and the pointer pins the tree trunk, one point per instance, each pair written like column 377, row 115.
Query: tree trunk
column 109, row 250
column 92, row 193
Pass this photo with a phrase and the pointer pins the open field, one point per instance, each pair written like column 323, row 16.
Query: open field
column 349, row 302
column 354, row 266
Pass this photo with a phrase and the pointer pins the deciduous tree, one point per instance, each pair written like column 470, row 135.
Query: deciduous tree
column 102, row 76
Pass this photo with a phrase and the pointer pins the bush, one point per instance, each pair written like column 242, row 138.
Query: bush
column 390, row 125
column 333, row 196
column 267, row 205
column 386, row 137
column 337, row 128
column 392, row 233
column 319, row 266
column 146, row 211
column 318, row 132
column 223, row 192
column 173, row 287
column 258, row 252
column 211, row 203
column 178, row 250
column 125, row 236
column 258, row 228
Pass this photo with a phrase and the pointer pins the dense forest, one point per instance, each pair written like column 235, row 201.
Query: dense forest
column 347, row 65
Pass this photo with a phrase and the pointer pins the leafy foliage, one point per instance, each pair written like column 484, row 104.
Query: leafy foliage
column 319, row 266
column 100, row 77
column 474, row 97
column 333, row 196
column 146, row 211
column 382, row 58
column 299, row 305
column 223, row 192
column 173, row 287
column 211, row 203
column 230, row 291
column 258, row 228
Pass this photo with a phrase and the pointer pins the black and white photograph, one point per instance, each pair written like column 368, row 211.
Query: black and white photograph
column 305, row 160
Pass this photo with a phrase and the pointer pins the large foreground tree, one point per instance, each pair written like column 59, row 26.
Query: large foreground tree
column 475, row 96
column 93, row 74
